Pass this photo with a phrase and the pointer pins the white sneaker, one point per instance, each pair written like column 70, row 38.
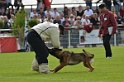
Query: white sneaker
column 35, row 66
column 44, row 68
column 108, row 57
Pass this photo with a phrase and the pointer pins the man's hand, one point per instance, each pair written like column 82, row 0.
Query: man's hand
column 100, row 35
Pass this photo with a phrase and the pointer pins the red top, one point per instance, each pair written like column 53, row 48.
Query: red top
column 107, row 20
column 122, row 12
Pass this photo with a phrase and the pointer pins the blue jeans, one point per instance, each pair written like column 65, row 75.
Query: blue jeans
column 89, row 4
column 117, row 8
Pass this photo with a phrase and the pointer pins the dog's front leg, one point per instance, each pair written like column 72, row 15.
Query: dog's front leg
column 89, row 66
column 63, row 63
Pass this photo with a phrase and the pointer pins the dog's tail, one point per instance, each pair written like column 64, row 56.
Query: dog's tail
column 88, row 54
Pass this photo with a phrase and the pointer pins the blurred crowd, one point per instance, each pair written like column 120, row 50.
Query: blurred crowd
column 76, row 16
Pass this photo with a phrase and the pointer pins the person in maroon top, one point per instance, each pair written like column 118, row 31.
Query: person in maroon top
column 107, row 21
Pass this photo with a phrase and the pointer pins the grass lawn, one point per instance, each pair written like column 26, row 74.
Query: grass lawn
column 16, row 67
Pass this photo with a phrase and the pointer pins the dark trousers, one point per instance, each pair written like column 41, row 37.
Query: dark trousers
column 38, row 46
column 106, row 43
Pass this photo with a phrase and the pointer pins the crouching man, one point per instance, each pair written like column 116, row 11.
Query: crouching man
column 37, row 37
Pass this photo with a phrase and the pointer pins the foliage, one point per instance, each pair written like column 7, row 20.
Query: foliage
column 19, row 24
column 32, row 22
column 1, row 24
column 16, row 67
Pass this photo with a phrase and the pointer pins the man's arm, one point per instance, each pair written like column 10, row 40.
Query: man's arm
column 114, row 23
column 54, row 34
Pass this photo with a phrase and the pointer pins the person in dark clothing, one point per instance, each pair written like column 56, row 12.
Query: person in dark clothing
column 80, row 11
column 3, row 13
column 108, row 4
column 7, row 24
column 94, row 20
column 2, row 3
column 17, row 4
column 10, row 11
column 57, row 20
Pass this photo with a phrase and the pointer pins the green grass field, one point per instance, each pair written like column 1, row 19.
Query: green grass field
column 16, row 67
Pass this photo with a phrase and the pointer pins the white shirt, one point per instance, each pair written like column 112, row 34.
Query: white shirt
column 48, row 12
column 82, row 19
column 86, row 22
column 48, row 31
column 32, row 14
column 55, row 14
column 88, row 13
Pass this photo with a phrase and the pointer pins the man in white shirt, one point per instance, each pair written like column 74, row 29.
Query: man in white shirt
column 32, row 14
column 55, row 13
column 37, row 37
column 88, row 11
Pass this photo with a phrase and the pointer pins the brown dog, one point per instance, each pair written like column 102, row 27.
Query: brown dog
column 71, row 58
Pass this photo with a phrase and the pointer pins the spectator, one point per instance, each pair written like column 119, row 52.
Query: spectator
column 41, row 12
column 48, row 11
column 55, row 13
column 65, row 12
column 119, row 18
column 95, row 21
column 47, row 4
column 62, row 18
column 66, row 22
column 117, row 5
column 2, row 3
column 3, row 13
column 89, row 3
column 80, row 11
column 72, row 19
column 57, row 20
column 122, row 11
column 8, row 4
column 7, row 24
column 10, row 11
column 86, row 21
column 69, row 12
column 11, row 20
column 108, row 4
column 1, row 17
column 40, row 5
column 39, row 18
column 88, row 11
column 33, row 13
column 49, row 18
column 83, row 17
column 74, row 12
column 17, row 4
column 78, row 22
column 87, row 24
column 122, row 21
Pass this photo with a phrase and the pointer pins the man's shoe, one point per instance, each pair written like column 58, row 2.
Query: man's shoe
column 44, row 68
column 35, row 66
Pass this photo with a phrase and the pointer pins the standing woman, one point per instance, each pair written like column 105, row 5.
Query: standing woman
column 17, row 4
column 36, row 38
column 107, row 21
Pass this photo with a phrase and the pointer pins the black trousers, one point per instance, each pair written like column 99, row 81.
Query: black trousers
column 106, row 43
column 38, row 46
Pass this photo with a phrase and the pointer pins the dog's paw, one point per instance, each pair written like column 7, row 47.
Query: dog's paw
column 91, row 69
column 52, row 71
